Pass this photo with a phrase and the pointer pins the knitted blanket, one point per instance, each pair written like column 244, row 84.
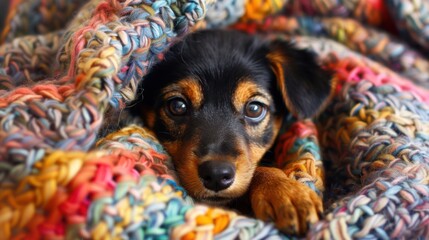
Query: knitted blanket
column 73, row 165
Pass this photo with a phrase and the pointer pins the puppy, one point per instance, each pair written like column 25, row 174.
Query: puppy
column 216, row 102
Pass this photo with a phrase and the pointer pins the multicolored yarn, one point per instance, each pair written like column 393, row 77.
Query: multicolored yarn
column 329, row 50
column 49, row 194
column 373, row 12
column 260, row 9
column 28, row 59
column 374, row 139
column 38, row 17
column 73, row 185
column 373, row 43
column 54, row 183
column 298, row 153
column 66, row 113
column 375, row 135
column 123, row 192
column 224, row 13
column 412, row 19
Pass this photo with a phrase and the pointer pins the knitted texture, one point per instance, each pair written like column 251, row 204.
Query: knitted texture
column 66, row 112
column 377, row 45
column 412, row 19
column 28, row 59
column 57, row 194
column 375, row 134
column 224, row 13
column 38, row 17
column 373, row 12
column 315, row 18
column 374, row 138
column 298, row 153
column 60, row 179
column 123, row 192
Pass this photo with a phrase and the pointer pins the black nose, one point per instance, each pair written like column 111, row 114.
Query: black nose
column 216, row 175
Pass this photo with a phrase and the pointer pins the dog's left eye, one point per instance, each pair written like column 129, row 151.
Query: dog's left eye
column 177, row 106
column 255, row 111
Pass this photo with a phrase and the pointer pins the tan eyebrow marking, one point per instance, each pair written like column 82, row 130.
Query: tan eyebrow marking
column 189, row 87
column 247, row 89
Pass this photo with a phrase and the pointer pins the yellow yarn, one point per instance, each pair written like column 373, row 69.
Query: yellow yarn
column 18, row 204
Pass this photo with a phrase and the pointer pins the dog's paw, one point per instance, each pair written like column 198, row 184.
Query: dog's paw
column 291, row 205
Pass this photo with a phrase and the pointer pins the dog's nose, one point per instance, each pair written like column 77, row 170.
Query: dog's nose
column 216, row 175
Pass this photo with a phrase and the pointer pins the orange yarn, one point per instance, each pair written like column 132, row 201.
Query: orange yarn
column 260, row 9
column 208, row 221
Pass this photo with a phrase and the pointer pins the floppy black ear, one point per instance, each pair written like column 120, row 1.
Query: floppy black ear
column 304, row 85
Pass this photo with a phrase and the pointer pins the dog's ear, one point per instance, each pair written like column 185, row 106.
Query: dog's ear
column 305, row 87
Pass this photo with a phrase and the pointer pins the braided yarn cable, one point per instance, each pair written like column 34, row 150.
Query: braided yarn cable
column 394, row 206
column 376, row 136
column 297, row 152
column 164, row 210
column 66, row 113
column 122, row 192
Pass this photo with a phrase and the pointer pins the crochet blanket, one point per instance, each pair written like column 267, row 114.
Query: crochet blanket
column 73, row 165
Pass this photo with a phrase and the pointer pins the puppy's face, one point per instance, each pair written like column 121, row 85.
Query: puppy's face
column 216, row 103
column 215, row 133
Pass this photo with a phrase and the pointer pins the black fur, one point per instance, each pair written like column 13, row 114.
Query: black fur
column 308, row 85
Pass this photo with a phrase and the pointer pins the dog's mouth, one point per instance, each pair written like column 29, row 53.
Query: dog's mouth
column 215, row 200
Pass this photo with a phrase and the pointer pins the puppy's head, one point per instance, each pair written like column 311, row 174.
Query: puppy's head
column 216, row 103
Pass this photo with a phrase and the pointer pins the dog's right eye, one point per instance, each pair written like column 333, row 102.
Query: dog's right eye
column 255, row 111
column 177, row 107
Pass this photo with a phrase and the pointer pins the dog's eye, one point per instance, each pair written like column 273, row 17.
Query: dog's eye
column 255, row 111
column 177, row 106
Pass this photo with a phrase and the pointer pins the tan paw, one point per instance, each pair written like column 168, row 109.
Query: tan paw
column 291, row 205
